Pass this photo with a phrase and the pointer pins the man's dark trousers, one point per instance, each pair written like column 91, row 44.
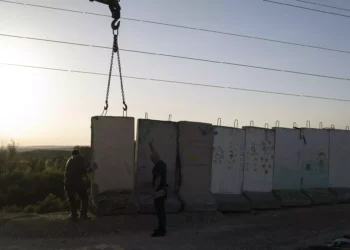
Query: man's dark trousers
column 159, row 205
column 71, row 191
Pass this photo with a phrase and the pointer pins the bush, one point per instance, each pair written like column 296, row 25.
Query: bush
column 23, row 189
column 12, row 209
column 30, row 209
column 33, row 180
column 49, row 205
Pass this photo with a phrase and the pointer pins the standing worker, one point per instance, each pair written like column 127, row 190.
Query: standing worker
column 74, row 184
column 160, row 194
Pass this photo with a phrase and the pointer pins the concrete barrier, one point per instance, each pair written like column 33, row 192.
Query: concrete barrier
column 258, row 168
column 287, row 174
column 227, row 169
column 163, row 134
column 314, row 166
column 112, row 142
column 339, row 164
column 195, row 152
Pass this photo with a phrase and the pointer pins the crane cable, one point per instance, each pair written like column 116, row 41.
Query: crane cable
column 115, row 9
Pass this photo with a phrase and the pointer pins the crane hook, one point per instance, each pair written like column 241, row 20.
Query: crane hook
column 115, row 24
column 125, row 107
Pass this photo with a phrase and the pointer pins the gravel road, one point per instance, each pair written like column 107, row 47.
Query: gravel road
column 278, row 229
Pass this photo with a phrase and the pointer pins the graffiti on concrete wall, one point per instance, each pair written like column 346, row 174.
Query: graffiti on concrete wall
column 259, row 157
column 316, row 162
column 205, row 129
column 219, row 155
column 236, row 154
column 259, row 160
column 228, row 154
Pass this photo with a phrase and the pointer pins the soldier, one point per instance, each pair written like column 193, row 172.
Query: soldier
column 74, row 184
column 159, row 195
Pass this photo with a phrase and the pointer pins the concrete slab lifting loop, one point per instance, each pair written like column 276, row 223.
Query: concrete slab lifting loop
column 295, row 125
column 277, row 124
column 332, row 126
column 218, row 122
column 308, row 124
column 347, row 128
column 235, row 124
column 146, row 115
column 169, row 119
column 321, row 125
column 125, row 109
column 251, row 123
column 266, row 125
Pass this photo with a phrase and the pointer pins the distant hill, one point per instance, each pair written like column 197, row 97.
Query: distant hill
column 31, row 148
column 45, row 153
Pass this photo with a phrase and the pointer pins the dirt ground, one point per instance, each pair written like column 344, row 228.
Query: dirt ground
column 278, row 229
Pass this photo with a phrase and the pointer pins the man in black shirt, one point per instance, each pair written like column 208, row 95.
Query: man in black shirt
column 159, row 185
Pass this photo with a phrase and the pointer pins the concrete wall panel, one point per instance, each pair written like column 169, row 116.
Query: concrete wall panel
column 287, row 164
column 228, row 160
column 339, row 159
column 113, row 152
column 195, row 150
column 164, row 137
column 315, row 158
column 287, row 172
column 163, row 134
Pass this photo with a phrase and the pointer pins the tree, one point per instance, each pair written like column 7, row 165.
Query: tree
column 12, row 150
column 3, row 158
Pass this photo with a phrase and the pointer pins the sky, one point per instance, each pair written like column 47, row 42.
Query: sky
column 42, row 107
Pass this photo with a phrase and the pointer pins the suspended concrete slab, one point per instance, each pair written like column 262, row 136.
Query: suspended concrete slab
column 163, row 134
column 339, row 164
column 258, row 168
column 112, row 142
column 227, row 169
column 195, row 152
column 314, row 165
column 287, row 174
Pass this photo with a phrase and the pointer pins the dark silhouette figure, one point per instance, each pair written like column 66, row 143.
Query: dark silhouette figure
column 74, row 184
column 159, row 184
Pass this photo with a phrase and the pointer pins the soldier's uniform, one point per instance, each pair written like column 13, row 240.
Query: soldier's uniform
column 74, row 184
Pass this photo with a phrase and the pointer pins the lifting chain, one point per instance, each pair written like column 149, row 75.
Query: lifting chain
column 115, row 9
